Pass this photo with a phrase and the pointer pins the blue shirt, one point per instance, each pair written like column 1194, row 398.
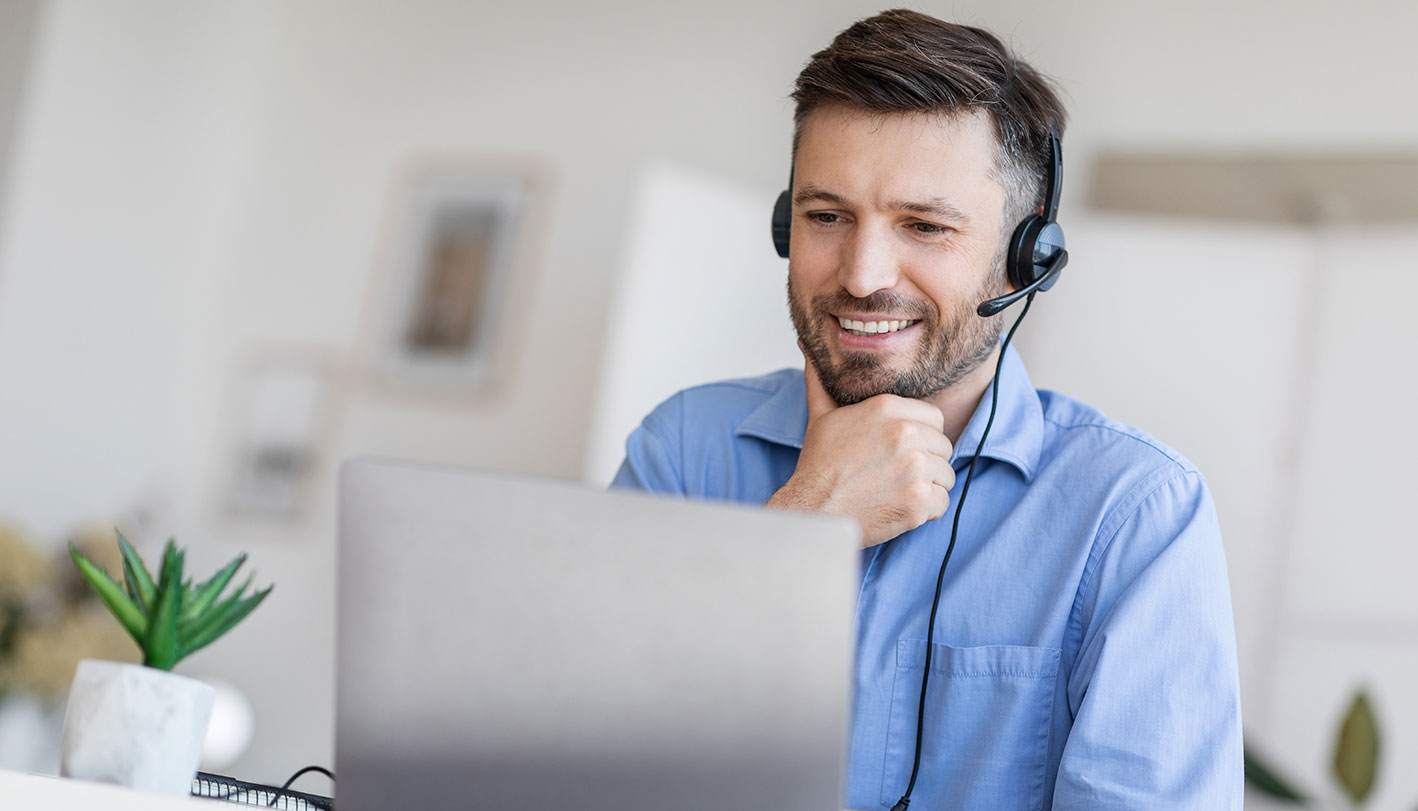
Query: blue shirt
column 1084, row 652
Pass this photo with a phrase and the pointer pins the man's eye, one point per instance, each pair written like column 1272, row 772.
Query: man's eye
column 824, row 217
column 928, row 227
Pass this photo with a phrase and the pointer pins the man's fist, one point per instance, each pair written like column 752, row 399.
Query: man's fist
column 884, row 461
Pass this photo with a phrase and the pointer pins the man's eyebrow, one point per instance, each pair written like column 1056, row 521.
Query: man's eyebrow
column 812, row 193
column 937, row 206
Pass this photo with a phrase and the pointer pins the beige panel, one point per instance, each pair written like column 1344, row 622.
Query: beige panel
column 1301, row 188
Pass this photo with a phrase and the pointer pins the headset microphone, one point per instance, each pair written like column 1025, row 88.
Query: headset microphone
column 1055, row 264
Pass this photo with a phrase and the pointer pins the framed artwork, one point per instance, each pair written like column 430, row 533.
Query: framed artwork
column 456, row 244
column 282, row 403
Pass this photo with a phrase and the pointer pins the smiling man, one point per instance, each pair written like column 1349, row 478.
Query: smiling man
column 1071, row 626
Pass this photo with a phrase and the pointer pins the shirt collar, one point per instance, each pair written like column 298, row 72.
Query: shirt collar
column 1017, row 436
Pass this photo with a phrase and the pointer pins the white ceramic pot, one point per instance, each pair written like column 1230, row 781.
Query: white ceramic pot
column 134, row 726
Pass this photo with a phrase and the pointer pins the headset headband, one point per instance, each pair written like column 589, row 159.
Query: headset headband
column 1054, row 185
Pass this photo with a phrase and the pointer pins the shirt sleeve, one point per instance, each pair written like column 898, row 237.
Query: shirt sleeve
column 1154, row 692
column 651, row 460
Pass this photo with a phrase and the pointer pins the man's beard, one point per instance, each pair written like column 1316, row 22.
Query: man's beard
column 950, row 347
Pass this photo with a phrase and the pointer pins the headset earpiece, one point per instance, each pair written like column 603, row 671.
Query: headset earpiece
column 1020, row 267
column 1035, row 242
column 783, row 220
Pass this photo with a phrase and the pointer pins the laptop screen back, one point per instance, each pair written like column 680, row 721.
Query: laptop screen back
column 512, row 642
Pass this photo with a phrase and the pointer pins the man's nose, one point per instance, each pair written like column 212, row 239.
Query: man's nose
column 868, row 263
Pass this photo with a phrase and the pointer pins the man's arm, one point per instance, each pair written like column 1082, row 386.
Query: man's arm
column 1154, row 691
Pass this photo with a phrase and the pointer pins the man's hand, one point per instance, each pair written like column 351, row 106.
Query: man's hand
column 884, row 461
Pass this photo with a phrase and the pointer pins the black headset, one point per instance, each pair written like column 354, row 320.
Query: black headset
column 1037, row 250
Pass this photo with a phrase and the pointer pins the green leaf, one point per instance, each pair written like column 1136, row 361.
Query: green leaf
column 1356, row 752
column 134, row 593
column 215, row 615
column 226, row 617
column 205, row 595
column 162, row 650
column 140, row 581
column 1267, row 781
column 124, row 610
column 189, row 627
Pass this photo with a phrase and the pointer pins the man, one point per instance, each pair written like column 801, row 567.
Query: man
column 1082, row 655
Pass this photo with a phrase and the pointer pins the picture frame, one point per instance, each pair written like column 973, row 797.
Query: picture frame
column 281, row 412
column 456, row 244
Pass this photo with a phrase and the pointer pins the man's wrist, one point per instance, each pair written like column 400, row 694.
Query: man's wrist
column 795, row 494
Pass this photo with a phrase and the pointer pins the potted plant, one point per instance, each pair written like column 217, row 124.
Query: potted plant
column 143, row 726
column 1354, row 767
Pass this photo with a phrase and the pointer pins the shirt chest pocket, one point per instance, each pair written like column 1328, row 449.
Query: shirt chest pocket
column 986, row 726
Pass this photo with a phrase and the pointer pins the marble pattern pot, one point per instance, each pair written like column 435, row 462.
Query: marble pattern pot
column 135, row 726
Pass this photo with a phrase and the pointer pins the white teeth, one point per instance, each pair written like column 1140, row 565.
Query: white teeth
column 873, row 327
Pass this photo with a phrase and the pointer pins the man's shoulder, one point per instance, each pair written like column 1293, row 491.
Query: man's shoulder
column 1078, row 433
column 724, row 404
column 708, row 440
column 743, row 391
column 1116, row 473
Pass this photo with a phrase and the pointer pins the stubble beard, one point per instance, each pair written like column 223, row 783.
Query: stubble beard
column 952, row 345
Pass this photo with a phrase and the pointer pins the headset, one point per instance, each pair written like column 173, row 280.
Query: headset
column 1037, row 254
column 1037, row 249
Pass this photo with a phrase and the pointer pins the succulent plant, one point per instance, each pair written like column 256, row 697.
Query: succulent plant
column 168, row 617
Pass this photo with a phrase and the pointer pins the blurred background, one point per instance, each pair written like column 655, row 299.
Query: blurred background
column 240, row 242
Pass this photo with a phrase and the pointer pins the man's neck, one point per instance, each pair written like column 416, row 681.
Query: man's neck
column 958, row 402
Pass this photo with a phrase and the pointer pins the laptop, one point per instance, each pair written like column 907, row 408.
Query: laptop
column 514, row 642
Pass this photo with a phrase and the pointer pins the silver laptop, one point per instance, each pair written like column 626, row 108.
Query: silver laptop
column 510, row 642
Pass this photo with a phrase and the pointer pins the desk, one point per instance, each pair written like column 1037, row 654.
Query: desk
column 32, row 792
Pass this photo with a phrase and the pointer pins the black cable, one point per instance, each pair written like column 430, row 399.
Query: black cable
column 285, row 788
column 905, row 800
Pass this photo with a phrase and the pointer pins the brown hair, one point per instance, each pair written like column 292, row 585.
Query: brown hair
column 904, row 61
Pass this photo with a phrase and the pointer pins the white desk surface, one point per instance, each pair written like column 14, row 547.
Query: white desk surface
column 22, row 792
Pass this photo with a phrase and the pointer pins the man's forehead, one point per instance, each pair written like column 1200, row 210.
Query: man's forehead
column 901, row 159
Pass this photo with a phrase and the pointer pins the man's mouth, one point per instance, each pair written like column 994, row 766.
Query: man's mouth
column 873, row 327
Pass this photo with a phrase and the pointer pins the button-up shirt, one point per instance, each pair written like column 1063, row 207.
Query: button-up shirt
column 1084, row 655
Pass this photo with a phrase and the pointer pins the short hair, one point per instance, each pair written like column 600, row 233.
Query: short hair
column 903, row 61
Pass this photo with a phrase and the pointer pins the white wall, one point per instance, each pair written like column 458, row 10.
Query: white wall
column 192, row 184
column 699, row 297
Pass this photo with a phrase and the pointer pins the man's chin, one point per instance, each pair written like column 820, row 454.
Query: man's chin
column 850, row 389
